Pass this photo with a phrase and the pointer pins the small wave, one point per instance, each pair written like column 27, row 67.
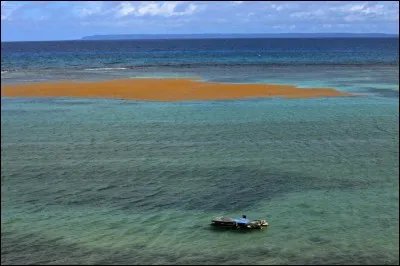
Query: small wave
column 105, row 68
column 3, row 72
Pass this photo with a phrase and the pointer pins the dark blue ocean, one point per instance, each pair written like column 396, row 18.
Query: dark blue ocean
column 105, row 181
column 357, row 64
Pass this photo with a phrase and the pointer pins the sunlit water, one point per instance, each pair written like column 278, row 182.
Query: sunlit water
column 111, row 181
column 89, row 181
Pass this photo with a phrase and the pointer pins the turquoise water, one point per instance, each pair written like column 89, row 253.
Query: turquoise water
column 88, row 181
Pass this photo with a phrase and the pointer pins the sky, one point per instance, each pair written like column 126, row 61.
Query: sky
column 63, row 20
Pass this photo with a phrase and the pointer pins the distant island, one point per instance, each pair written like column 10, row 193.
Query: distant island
column 236, row 36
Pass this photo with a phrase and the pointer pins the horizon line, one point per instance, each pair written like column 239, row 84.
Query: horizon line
column 394, row 35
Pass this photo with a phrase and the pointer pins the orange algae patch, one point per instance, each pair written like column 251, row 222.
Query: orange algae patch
column 163, row 90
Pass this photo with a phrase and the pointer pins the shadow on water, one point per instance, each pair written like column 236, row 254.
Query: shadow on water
column 216, row 189
column 22, row 248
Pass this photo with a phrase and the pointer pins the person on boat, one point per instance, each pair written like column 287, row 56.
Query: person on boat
column 244, row 216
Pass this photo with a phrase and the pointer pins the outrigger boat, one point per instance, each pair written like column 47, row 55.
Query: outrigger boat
column 239, row 223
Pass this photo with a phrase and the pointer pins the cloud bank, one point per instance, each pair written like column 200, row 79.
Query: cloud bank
column 42, row 20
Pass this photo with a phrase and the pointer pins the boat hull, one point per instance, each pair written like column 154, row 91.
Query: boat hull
column 235, row 224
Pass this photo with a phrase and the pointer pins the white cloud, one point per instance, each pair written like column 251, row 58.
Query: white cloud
column 124, row 9
column 301, row 14
column 89, row 8
column 278, row 7
column 363, row 8
column 352, row 8
column 191, row 9
column 211, row 16
column 7, row 8
column 165, row 9
column 347, row 13
column 154, row 9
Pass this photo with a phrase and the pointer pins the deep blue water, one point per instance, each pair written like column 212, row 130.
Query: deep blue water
column 358, row 64
column 144, row 53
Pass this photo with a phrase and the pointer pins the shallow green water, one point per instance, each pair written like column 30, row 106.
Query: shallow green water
column 125, row 182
